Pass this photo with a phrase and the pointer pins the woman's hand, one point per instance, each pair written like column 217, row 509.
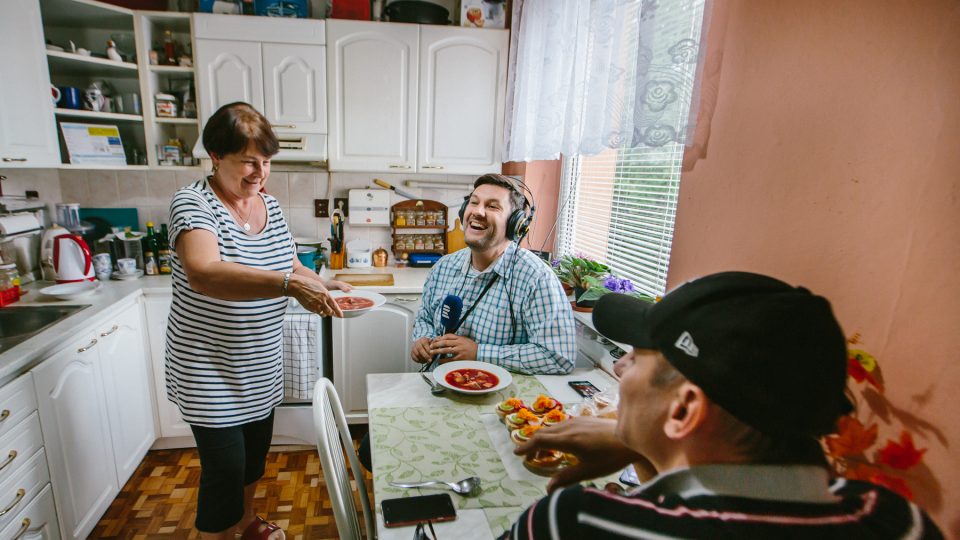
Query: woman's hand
column 339, row 285
column 313, row 296
column 593, row 440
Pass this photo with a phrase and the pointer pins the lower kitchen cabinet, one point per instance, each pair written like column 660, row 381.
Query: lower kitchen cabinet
column 37, row 521
column 377, row 342
column 96, row 413
column 157, row 308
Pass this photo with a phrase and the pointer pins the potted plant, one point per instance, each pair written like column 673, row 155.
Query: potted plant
column 573, row 271
column 599, row 286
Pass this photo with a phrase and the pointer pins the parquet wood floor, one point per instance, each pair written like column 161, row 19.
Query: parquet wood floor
column 160, row 499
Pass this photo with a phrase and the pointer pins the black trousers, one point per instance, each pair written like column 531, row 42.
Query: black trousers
column 231, row 458
column 363, row 453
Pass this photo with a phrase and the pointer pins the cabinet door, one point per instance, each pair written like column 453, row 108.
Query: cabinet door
column 372, row 87
column 355, row 354
column 228, row 71
column 126, row 381
column 28, row 136
column 76, row 435
column 463, row 76
column 295, row 87
column 171, row 422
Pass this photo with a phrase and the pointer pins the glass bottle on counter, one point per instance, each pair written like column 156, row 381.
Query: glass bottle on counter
column 164, row 262
column 150, row 249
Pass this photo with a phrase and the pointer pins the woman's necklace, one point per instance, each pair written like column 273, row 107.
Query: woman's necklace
column 236, row 213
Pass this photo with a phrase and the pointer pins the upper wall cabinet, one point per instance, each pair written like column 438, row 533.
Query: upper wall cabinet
column 277, row 65
column 28, row 136
column 409, row 98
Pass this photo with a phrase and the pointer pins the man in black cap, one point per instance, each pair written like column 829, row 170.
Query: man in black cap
column 732, row 380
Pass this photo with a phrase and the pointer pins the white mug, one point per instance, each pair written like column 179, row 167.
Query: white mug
column 127, row 266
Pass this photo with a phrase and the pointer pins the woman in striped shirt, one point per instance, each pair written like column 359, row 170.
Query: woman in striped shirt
column 233, row 265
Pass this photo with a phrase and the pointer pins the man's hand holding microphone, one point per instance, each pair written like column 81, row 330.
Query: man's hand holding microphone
column 449, row 346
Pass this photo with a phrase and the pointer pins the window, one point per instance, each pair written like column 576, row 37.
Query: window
column 619, row 207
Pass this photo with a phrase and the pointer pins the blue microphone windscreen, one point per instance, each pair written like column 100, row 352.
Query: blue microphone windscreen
column 450, row 312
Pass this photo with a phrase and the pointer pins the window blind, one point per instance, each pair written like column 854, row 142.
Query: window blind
column 619, row 207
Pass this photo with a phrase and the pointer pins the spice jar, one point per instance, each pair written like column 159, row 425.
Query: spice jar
column 9, row 284
column 400, row 218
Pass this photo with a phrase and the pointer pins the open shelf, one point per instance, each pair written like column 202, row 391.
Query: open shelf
column 185, row 121
column 64, row 63
column 171, row 69
column 79, row 113
column 74, row 13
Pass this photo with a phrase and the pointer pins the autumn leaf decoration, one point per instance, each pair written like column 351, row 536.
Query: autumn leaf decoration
column 849, row 451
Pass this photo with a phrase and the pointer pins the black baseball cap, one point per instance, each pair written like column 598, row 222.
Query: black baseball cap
column 771, row 354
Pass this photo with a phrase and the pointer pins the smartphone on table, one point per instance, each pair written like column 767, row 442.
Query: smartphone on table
column 405, row 511
column 584, row 388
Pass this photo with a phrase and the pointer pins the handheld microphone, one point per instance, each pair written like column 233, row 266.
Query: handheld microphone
column 450, row 311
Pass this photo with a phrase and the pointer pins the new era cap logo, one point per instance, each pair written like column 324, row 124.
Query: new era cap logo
column 685, row 343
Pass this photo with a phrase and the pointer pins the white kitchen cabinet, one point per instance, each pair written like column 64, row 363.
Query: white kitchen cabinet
column 463, row 79
column 228, row 71
column 157, row 308
column 373, row 95
column 28, row 136
column 377, row 342
column 76, row 434
column 278, row 65
column 127, row 386
column 37, row 521
column 415, row 98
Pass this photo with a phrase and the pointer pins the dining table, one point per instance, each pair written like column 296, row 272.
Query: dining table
column 418, row 436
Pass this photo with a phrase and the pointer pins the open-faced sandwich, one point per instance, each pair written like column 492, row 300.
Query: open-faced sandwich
column 521, row 418
column 545, row 404
column 554, row 417
column 522, row 435
column 545, row 462
column 509, row 406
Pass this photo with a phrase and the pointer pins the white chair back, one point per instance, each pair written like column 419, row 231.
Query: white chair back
column 333, row 438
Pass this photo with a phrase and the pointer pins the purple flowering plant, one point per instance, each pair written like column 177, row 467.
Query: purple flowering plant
column 610, row 283
column 574, row 270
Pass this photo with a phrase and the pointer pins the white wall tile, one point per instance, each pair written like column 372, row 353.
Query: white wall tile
column 46, row 182
column 278, row 186
column 302, row 222
column 161, row 185
column 102, row 189
column 304, row 188
column 132, row 189
column 187, row 177
column 73, row 187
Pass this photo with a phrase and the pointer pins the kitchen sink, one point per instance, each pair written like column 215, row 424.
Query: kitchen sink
column 18, row 324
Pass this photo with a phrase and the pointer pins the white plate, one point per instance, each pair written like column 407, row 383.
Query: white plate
column 71, row 291
column 440, row 375
column 122, row 277
column 378, row 300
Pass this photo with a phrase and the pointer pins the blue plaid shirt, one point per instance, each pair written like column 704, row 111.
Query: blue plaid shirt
column 542, row 336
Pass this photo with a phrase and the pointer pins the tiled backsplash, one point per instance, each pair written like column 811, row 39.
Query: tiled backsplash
column 150, row 193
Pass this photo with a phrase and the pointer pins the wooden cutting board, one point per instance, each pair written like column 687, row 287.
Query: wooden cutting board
column 366, row 280
column 455, row 237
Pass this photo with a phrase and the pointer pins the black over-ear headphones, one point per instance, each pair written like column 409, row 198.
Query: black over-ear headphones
column 518, row 224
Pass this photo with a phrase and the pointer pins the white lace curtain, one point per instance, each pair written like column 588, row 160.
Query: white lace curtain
column 587, row 75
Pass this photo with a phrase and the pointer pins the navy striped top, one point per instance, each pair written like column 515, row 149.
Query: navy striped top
column 224, row 358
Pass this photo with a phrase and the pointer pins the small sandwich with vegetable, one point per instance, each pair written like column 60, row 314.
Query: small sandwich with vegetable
column 544, row 404
column 509, row 406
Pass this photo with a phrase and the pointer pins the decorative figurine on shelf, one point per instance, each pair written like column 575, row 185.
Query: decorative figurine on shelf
column 112, row 52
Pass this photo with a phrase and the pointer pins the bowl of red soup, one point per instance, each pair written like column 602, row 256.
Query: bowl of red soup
column 357, row 302
column 469, row 377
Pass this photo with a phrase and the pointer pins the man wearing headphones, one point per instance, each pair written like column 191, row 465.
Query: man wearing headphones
column 515, row 313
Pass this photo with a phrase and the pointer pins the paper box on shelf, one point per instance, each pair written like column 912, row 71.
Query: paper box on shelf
column 483, row 13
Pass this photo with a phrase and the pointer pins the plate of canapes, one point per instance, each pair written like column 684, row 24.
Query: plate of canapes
column 523, row 421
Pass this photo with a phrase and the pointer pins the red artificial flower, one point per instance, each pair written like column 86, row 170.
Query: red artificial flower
column 894, row 484
column 859, row 373
column 903, row 455
column 852, row 439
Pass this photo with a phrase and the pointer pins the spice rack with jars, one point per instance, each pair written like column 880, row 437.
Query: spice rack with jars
column 418, row 227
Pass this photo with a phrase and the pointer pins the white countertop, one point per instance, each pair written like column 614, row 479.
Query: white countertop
column 25, row 355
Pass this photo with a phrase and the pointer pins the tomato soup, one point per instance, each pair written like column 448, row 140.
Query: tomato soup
column 472, row 379
column 348, row 303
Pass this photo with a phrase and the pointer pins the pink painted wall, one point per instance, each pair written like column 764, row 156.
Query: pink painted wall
column 543, row 179
column 833, row 162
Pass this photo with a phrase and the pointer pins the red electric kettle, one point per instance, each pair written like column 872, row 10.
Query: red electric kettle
column 71, row 259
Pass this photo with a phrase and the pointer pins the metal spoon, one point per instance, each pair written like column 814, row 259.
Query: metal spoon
column 467, row 486
column 435, row 388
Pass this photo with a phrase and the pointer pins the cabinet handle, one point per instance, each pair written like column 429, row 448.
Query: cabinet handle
column 16, row 500
column 88, row 347
column 10, row 457
column 110, row 331
column 405, row 300
column 24, row 527
column 287, row 126
column 4, row 415
column 433, row 166
column 17, row 159
column 400, row 166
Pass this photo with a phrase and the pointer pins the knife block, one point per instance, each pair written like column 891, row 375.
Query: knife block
column 336, row 260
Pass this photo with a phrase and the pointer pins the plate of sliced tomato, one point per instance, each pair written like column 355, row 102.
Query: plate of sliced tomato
column 356, row 302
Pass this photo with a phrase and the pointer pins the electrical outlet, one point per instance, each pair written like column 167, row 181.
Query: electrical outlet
column 342, row 203
column 321, row 208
